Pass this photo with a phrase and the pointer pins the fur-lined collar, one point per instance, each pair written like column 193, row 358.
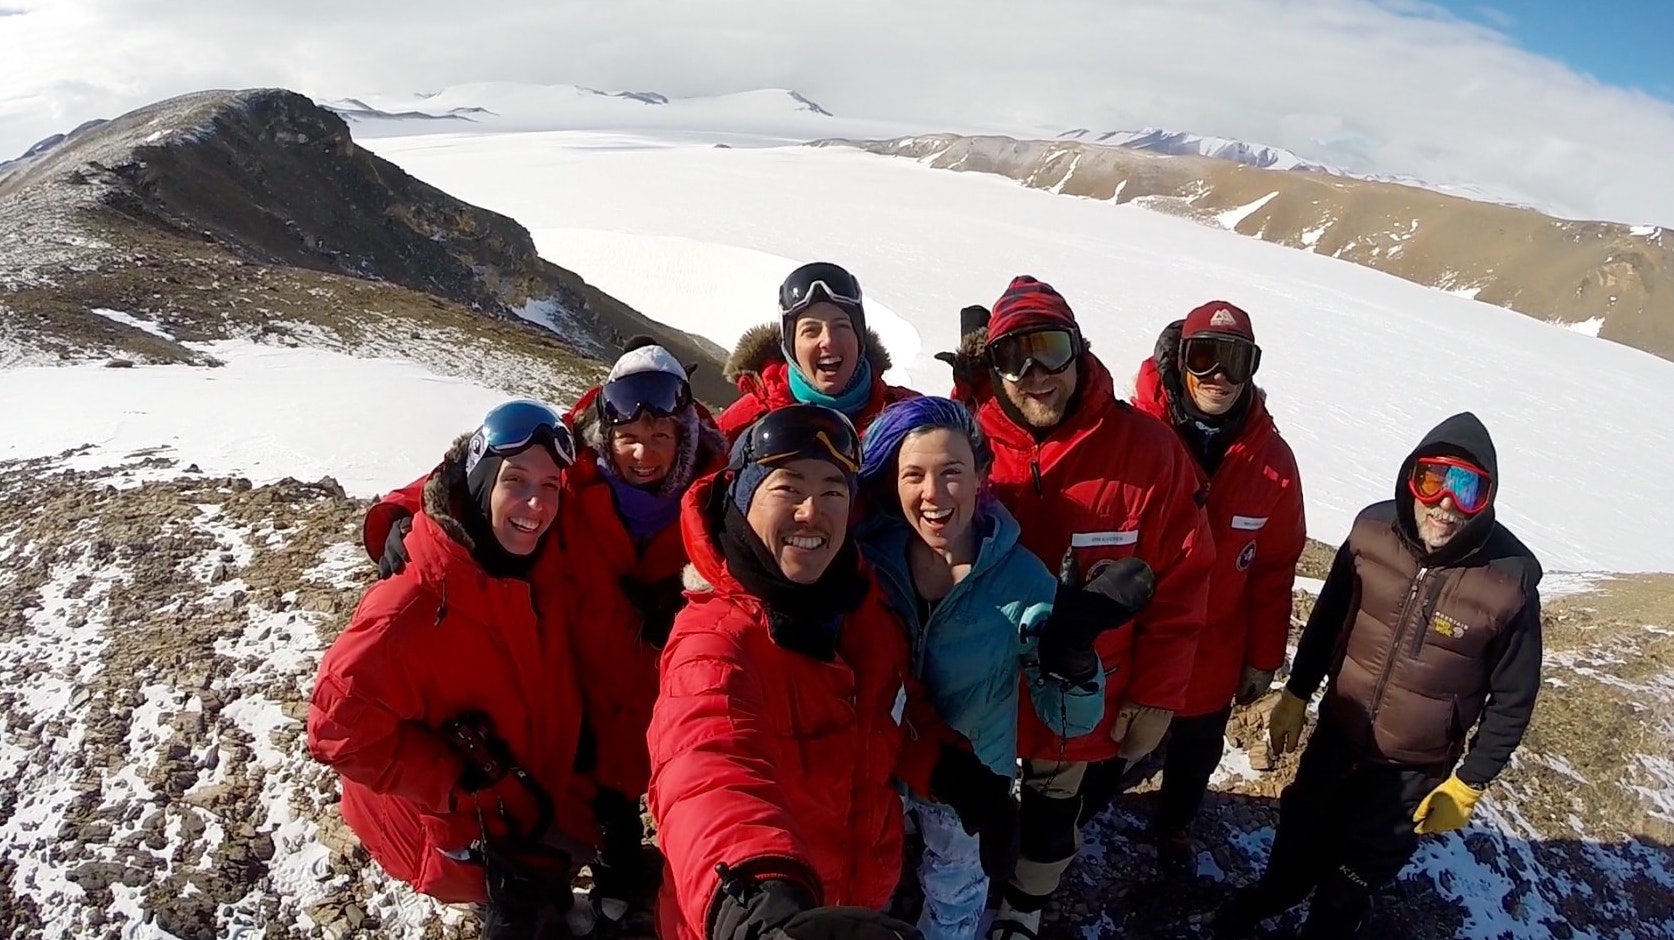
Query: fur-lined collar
column 445, row 489
column 760, row 347
column 710, row 443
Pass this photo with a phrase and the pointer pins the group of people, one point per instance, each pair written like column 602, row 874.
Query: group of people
column 874, row 659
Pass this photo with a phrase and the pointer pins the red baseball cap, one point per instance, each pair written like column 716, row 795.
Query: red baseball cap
column 1218, row 318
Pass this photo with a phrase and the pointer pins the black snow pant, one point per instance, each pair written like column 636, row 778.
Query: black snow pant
column 619, row 871
column 1193, row 751
column 1345, row 830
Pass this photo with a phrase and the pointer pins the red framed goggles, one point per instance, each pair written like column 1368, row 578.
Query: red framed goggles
column 1436, row 477
column 1051, row 351
column 803, row 431
column 1206, row 355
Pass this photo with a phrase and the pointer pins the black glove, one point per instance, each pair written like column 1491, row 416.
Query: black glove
column 846, row 923
column 752, row 910
column 520, row 886
column 658, row 603
column 487, row 758
column 395, row 555
column 967, row 362
column 1080, row 614
column 983, row 800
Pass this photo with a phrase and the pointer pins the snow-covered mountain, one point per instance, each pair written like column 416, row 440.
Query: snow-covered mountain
column 512, row 107
column 1179, row 143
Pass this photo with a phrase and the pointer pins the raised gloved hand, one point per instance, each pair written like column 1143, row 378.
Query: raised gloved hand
column 1284, row 725
column 983, row 800
column 969, row 364
column 1447, row 807
column 1139, row 729
column 658, row 603
column 395, row 556
column 845, row 923
column 1080, row 614
column 1253, row 683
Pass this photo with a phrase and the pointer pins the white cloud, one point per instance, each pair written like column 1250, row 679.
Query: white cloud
column 1394, row 87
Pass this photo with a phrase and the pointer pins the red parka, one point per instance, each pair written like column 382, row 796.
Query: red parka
column 1256, row 519
column 617, row 670
column 1110, row 482
column 757, row 366
column 439, row 639
column 771, row 761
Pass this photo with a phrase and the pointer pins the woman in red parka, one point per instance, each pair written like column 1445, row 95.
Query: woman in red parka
column 448, row 707
column 787, row 713
column 644, row 441
column 820, row 353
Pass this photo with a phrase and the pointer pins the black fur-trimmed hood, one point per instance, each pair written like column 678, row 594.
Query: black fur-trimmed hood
column 446, row 488
column 760, row 347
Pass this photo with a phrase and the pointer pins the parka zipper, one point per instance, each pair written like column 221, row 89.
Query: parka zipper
column 1034, row 471
column 1395, row 646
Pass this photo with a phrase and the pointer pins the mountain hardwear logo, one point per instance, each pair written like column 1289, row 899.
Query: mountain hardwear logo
column 1443, row 625
column 1223, row 318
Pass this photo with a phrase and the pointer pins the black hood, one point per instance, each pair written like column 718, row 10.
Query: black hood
column 1465, row 437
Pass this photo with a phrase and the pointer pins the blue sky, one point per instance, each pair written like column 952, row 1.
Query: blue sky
column 1629, row 43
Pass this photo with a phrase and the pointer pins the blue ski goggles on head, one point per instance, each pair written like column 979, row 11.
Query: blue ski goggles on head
column 517, row 425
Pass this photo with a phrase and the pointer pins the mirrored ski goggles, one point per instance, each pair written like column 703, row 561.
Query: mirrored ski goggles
column 1435, row 477
column 659, row 394
column 1206, row 355
column 804, row 431
column 517, row 425
column 834, row 285
column 1051, row 351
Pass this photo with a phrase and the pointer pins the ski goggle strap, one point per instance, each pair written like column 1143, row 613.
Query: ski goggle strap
column 812, row 283
column 1205, row 355
column 660, row 394
column 1435, row 477
column 515, row 426
column 1051, row 351
column 804, row 431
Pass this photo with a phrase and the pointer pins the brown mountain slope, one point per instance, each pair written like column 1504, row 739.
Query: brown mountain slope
column 223, row 212
column 1551, row 269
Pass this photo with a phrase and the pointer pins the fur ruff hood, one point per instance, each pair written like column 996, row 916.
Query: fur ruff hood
column 760, row 347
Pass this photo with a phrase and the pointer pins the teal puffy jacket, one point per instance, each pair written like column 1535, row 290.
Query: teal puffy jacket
column 981, row 639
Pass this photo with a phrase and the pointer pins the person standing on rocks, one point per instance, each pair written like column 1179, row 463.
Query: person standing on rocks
column 1428, row 627
column 787, row 710
column 645, row 440
column 1200, row 381
column 449, row 706
column 1091, row 481
column 972, row 601
column 820, row 353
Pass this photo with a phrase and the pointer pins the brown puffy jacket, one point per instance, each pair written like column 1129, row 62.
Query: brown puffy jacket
column 1421, row 647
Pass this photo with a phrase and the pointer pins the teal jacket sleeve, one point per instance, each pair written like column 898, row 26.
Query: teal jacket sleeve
column 1069, row 710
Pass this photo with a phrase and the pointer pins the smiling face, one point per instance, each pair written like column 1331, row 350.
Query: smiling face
column 1438, row 524
column 524, row 500
column 643, row 452
column 1213, row 395
column 936, row 480
column 1041, row 398
column 827, row 347
column 801, row 513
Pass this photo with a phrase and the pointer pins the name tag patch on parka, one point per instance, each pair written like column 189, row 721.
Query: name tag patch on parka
column 1104, row 539
column 1248, row 523
column 899, row 710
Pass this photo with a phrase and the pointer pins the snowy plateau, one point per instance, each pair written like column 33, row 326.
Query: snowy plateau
column 160, row 789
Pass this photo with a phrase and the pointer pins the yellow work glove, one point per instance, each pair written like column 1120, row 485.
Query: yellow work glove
column 1139, row 729
column 1284, row 725
column 1448, row 807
